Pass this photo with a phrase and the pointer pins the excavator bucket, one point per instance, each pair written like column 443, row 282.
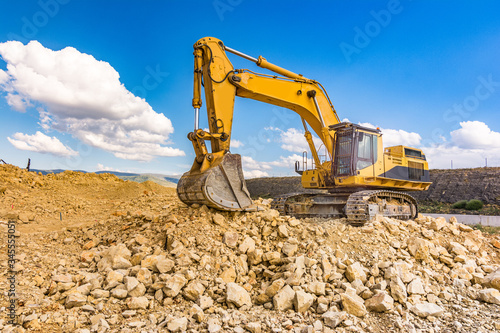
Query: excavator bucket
column 222, row 186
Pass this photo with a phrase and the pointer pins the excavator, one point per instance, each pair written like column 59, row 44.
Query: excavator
column 359, row 178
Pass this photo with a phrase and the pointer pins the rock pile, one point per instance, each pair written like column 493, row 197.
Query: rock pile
column 172, row 268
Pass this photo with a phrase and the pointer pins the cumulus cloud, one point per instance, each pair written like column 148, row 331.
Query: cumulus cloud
column 101, row 167
column 82, row 96
column 254, row 174
column 393, row 137
column 469, row 147
column 236, row 144
column 41, row 143
column 475, row 135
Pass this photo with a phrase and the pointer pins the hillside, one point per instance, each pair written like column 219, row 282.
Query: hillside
column 164, row 180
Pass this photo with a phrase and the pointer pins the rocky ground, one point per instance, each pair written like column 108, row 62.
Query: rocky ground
column 130, row 257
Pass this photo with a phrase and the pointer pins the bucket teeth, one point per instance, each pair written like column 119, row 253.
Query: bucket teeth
column 222, row 186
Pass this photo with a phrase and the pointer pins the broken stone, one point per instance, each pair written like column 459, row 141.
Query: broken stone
column 283, row 300
column 177, row 325
column 75, row 299
column 427, row 309
column 230, row 239
column 381, row 302
column 302, row 301
column 193, row 290
column 352, row 303
column 135, row 303
column 490, row 295
column 333, row 319
column 237, row 295
column 174, row 285
column 355, row 271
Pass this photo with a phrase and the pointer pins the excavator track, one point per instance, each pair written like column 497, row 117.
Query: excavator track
column 362, row 206
column 359, row 207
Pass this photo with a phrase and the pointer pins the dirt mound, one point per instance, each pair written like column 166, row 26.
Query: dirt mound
column 53, row 201
column 150, row 264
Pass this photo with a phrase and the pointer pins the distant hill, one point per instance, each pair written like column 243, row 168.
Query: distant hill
column 164, row 180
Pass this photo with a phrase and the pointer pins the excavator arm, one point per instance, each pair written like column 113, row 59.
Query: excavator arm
column 216, row 177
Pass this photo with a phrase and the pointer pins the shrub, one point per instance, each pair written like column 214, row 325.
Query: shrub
column 474, row 204
column 459, row 204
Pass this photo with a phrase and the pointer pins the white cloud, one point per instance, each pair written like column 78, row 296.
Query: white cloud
column 41, row 143
column 469, row 147
column 236, row 144
column 84, row 97
column 392, row 137
column 249, row 163
column 475, row 135
column 101, row 167
column 254, row 173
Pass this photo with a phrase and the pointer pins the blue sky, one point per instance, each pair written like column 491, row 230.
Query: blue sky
column 425, row 72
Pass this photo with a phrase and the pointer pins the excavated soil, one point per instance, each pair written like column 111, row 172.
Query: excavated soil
column 98, row 254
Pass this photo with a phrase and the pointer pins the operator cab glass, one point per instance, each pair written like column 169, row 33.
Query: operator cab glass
column 355, row 148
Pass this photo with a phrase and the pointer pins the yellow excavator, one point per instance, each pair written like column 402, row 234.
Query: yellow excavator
column 362, row 178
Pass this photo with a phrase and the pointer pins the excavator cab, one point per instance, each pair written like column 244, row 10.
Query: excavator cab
column 356, row 148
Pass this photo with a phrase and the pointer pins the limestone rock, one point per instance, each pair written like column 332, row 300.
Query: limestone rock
column 355, row 271
column 248, row 245
column 317, row 288
column 438, row 223
column 113, row 255
column 493, row 279
column 302, row 301
column 75, row 299
column 230, row 239
column 274, row 287
column 177, row 325
column 219, row 219
column 352, row 303
column 254, row 327
column 135, row 303
column 381, row 302
column 194, row 290
column 490, row 295
column 237, row 295
column 229, row 275
column 119, row 293
column 457, row 249
column 416, row 287
column 164, row 265
column 269, row 214
column 427, row 309
column 419, row 248
column 174, row 285
column 283, row 300
column 333, row 319
column 398, row 290
column 283, row 231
